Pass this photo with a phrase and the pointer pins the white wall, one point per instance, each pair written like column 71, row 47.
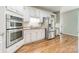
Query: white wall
column 57, row 23
column 58, row 17
column 78, row 31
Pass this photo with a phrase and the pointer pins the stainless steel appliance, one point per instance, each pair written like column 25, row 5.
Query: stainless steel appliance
column 49, row 27
column 14, row 30
column 14, row 22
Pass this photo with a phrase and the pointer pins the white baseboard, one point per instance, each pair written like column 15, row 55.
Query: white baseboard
column 70, row 34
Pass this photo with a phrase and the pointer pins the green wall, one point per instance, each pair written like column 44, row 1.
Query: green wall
column 70, row 22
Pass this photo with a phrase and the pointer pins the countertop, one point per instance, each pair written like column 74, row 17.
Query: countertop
column 32, row 28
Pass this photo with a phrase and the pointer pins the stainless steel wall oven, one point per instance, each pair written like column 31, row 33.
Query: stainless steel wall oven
column 14, row 29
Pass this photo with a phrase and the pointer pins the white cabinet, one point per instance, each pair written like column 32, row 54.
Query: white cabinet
column 2, row 20
column 17, row 9
column 0, row 47
column 33, row 35
column 0, row 43
column 43, row 14
column 32, row 12
column 43, row 34
column 27, row 36
column 26, row 14
column 39, row 34
column 37, row 13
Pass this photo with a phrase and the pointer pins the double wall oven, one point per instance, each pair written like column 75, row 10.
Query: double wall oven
column 14, row 29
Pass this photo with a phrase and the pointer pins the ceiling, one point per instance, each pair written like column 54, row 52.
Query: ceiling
column 50, row 8
column 57, row 8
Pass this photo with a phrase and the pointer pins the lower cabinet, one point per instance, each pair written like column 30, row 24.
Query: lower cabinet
column 27, row 36
column 39, row 36
column 43, row 34
column 33, row 35
column 0, row 44
column 0, row 47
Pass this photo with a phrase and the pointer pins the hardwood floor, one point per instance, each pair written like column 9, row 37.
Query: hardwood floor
column 62, row 44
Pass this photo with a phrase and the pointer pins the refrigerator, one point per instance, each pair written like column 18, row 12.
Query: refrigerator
column 49, row 27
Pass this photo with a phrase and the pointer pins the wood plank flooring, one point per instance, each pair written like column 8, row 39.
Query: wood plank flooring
column 62, row 44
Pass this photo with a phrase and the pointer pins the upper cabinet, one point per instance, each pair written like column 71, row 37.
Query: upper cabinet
column 26, row 14
column 31, row 12
column 35, row 12
column 16, row 9
column 44, row 14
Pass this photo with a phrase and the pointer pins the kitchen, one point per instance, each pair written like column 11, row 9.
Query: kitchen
column 23, row 25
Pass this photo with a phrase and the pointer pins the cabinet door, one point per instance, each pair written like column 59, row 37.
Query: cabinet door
column 0, row 47
column 11, row 8
column 20, row 9
column 39, row 34
column 2, row 21
column 17, row 9
column 0, row 43
column 43, row 34
column 37, row 13
column 32, row 12
column 27, row 36
column 42, row 14
column 33, row 36
column 26, row 14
